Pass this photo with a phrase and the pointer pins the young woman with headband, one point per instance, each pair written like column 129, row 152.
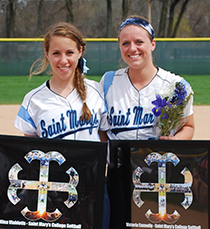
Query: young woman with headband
column 129, row 93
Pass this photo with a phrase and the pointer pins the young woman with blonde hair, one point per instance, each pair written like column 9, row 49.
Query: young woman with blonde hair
column 67, row 106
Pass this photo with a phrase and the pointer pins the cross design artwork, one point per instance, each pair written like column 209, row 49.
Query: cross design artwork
column 162, row 188
column 43, row 185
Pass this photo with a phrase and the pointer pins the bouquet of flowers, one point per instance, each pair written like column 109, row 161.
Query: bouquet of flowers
column 169, row 108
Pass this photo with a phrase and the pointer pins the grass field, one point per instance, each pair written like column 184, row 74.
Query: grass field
column 13, row 88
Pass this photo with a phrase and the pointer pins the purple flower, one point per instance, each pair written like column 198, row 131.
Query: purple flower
column 168, row 110
column 179, row 94
column 159, row 104
column 156, row 111
column 165, row 116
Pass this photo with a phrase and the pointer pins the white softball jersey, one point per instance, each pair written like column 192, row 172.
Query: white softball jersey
column 49, row 115
column 130, row 113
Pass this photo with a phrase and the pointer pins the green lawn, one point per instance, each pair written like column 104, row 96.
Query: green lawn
column 13, row 88
column 201, row 88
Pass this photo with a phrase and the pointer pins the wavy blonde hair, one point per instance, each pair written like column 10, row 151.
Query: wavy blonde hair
column 64, row 29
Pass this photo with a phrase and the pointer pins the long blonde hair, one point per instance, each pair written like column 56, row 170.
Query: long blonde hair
column 64, row 29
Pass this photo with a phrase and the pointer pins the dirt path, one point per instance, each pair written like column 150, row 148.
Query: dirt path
column 201, row 114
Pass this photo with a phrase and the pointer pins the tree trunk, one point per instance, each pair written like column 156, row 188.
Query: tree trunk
column 163, row 19
column 149, row 11
column 69, row 16
column 40, row 18
column 184, row 5
column 171, row 17
column 10, row 19
column 125, row 8
column 109, row 18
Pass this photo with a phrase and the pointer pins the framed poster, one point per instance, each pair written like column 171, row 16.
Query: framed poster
column 159, row 184
column 51, row 183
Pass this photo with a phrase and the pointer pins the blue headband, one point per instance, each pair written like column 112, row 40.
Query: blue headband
column 138, row 21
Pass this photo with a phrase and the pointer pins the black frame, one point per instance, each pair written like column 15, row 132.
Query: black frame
column 116, row 184
column 78, row 154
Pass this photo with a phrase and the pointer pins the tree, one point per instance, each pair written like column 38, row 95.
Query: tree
column 199, row 18
column 69, row 15
column 179, row 18
column 163, row 18
column 125, row 8
column 109, row 18
column 171, row 17
column 39, row 27
column 11, row 18
column 149, row 11
column 170, row 6
column 101, row 18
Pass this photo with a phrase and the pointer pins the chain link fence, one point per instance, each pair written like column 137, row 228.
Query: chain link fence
column 181, row 56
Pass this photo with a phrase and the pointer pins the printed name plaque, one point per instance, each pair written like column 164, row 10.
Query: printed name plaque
column 51, row 183
column 159, row 184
